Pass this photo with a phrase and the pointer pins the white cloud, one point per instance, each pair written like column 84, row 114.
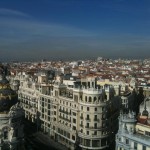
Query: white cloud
column 16, row 29
column 10, row 12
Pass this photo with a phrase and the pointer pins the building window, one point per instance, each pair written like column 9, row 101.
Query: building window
column 103, row 108
column 95, row 118
column 103, row 116
column 56, row 93
column 147, row 133
column 48, row 106
column 5, row 134
column 81, row 123
column 95, row 143
column 42, row 110
column 81, row 107
column 76, row 98
column 42, row 104
column 74, row 128
column 87, row 132
column 74, row 120
column 73, row 137
column 95, row 125
column 103, row 142
column 48, row 100
column 104, row 124
column 68, row 135
column 85, row 98
column 87, row 125
column 95, row 99
column 95, row 108
column 135, row 145
column 48, row 112
column 144, row 147
column 88, row 109
column 81, row 116
column 90, row 99
column 87, row 142
column 64, row 133
column 58, row 130
column 127, row 141
column 87, row 117
column 95, row 132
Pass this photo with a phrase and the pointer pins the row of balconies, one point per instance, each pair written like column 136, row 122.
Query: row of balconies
column 88, row 119
column 65, row 112
column 26, row 100
column 92, row 127
column 83, row 135
column 89, row 90
column 66, row 119
column 65, row 98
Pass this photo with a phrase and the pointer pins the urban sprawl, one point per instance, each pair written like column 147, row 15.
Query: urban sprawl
column 87, row 104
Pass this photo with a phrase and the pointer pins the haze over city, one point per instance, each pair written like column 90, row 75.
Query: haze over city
column 74, row 74
column 74, row 29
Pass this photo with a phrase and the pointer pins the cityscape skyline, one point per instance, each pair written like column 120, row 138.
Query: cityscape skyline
column 74, row 29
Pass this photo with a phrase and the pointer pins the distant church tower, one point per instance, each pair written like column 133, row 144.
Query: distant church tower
column 11, row 114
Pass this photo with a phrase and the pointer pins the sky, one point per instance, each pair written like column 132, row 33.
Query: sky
column 74, row 29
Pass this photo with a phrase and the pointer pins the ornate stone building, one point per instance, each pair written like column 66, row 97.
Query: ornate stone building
column 11, row 115
column 134, row 131
column 73, row 112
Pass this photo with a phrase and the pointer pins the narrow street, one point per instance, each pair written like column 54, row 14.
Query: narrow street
column 38, row 141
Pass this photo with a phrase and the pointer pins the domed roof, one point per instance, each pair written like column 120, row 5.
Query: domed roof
column 6, row 104
column 4, row 81
column 6, row 92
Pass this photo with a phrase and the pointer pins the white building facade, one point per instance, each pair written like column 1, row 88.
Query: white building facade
column 132, row 135
column 72, row 115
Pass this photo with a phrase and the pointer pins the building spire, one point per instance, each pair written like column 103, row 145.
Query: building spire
column 145, row 112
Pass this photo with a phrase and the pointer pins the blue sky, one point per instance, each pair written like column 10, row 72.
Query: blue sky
column 74, row 29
